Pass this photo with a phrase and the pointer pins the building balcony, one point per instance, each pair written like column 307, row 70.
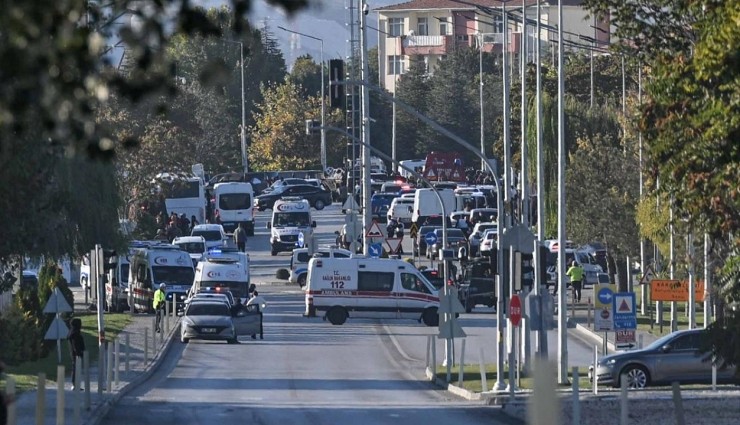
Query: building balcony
column 427, row 44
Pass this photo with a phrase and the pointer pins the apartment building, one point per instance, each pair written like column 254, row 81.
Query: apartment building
column 432, row 28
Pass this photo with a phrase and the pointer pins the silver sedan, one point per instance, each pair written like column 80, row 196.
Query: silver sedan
column 674, row 357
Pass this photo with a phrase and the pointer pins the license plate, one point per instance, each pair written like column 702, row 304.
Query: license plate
column 209, row 330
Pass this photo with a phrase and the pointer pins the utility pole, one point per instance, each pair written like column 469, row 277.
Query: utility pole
column 542, row 334
column 524, row 194
column 562, row 288
column 366, row 208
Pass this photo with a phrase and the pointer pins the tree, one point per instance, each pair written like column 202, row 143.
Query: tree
column 279, row 139
column 413, row 89
column 307, row 74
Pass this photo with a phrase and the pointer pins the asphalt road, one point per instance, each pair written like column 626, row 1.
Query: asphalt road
column 307, row 371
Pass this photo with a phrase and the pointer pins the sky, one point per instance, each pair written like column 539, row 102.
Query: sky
column 325, row 19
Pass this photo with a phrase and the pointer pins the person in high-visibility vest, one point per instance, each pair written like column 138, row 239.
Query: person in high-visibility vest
column 575, row 272
column 159, row 303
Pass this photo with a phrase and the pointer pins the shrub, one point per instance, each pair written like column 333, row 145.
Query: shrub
column 22, row 337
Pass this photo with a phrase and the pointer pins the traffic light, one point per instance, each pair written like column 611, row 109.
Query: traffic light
column 525, row 272
column 336, row 91
column 110, row 259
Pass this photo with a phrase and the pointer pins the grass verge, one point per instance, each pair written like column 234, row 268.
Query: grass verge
column 472, row 377
column 26, row 374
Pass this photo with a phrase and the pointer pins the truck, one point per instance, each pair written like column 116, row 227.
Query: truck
column 444, row 167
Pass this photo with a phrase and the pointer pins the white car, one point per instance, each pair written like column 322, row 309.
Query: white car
column 488, row 241
column 195, row 246
column 214, row 234
column 400, row 209
column 477, row 235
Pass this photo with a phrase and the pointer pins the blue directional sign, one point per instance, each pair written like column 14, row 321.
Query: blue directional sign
column 623, row 308
column 430, row 238
column 605, row 295
column 375, row 250
column 301, row 240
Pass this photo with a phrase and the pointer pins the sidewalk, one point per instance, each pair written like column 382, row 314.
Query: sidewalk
column 26, row 403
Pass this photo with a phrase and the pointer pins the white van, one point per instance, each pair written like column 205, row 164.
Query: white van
column 116, row 285
column 426, row 204
column 195, row 246
column 369, row 287
column 291, row 220
column 299, row 261
column 222, row 272
column 157, row 264
column 400, row 209
column 234, row 205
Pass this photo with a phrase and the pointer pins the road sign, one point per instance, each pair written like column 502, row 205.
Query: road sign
column 374, row 231
column 603, row 317
column 648, row 276
column 675, row 290
column 450, row 328
column 413, row 231
column 394, row 245
column 375, row 250
column 57, row 330
column 350, row 205
column 624, row 339
column 450, row 304
column 430, row 238
column 301, row 240
column 515, row 310
column 57, row 304
column 623, row 308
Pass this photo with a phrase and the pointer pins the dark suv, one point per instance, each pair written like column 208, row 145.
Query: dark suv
column 477, row 285
column 317, row 197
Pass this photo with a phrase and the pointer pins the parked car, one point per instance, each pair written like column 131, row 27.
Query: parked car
column 400, row 209
column 380, row 203
column 477, row 235
column 455, row 238
column 317, row 197
column 483, row 215
column 488, row 241
column 213, row 234
column 278, row 184
column 674, row 357
column 477, row 285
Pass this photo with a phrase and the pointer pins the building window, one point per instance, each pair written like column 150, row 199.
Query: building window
column 423, row 28
column 395, row 65
column 395, row 27
column 498, row 24
column 444, row 26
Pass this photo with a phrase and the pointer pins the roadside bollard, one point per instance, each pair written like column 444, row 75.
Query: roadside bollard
column 623, row 407
column 41, row 399
column 10, row 391
column 77, row 396
column 639, row 341
column 544, row 405
column 434, row 362
column 588, row 317
column 109, row 368
column 60, row 395
column 430, row 339
column 174, row 307
column 576, row 397
column 595, row 375
column 117, row 361
column 146, row 346
column 101, row 369
column 678, row 402
column 154, row 336
column 166, row 317
column 482, row 364
column 127, row 354
column 461, row 365
column 86, row 372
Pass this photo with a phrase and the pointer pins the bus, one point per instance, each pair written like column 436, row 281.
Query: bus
column 184, row 195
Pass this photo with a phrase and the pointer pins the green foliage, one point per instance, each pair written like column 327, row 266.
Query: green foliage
column 307, row 74
column 22, row 336
column 653, row 216
column 413, row 89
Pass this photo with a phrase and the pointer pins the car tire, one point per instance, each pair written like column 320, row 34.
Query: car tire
column 319, row 205
column 302, row 280
column 468, row 306
column 337, row 315
column 184, row 340
column 273, row 253
column 232, row 341
column 430, row 317
column 637, row 377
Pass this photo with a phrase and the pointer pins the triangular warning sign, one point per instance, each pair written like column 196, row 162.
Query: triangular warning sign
column 624, row 307
column 431, row 173
column 374, row 231
column 393, row 244
column 57, row 330
column 350, row 204
column 455, row 175
column 450, row 328
column 57, row 303
column 648, row 276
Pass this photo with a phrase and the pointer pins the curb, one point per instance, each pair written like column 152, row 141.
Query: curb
column 104, row 408
column 593, row 337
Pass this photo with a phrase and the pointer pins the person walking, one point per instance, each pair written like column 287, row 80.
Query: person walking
column 240, row 238
column 159, row 304
column 259, row 304
column 575, row 272
column 76, row 346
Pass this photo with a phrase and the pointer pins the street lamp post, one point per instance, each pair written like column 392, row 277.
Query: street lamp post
column 323, row 106
column 245, row 159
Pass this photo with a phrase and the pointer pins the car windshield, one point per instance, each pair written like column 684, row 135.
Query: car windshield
column 290, row 219
column 235, row 201
column 453, row 233
column 192, row 247
column 209, row 235
column 173, row 275
column 124, row 273
column 207, row 309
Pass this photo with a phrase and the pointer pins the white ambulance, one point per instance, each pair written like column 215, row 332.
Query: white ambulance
column 299, row 261
column 157, row 264
column 222, row 272
column 291, row 223
column 369, row 288
column 234, row 205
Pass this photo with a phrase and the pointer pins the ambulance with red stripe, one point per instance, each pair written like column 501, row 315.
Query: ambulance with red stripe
column 369, row 288
column 156, row 264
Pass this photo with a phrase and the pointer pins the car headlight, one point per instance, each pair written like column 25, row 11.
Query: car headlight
column 610, row 362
